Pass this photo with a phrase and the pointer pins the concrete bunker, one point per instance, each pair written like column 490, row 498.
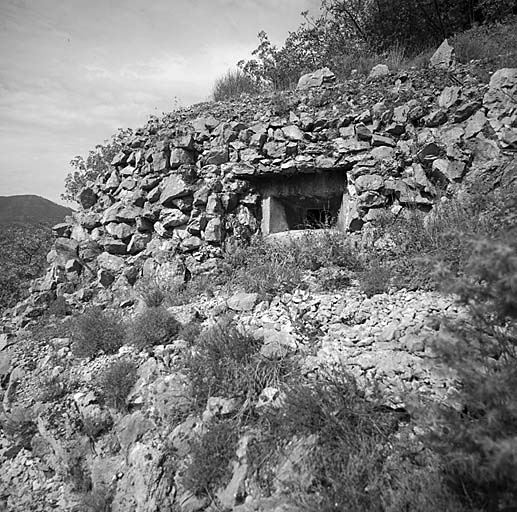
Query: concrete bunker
column 306, row 201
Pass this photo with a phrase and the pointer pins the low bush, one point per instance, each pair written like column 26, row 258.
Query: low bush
column 233, row 84
column 265, row 372
column 324, row 248
column 151, row 292
column 280, row 104
column 153, row 326
column 262, row 268
column 190, row 332
column 476, row 434
column 52, row 388
column 269, row 268
column 115, row 382
column 210, row 458
column 376, row 279
column 19, row 426
column 220, row 363
column 355, row 63
column 95, row 331
column 408, row 250
column 95, row 500
column 495, row 43
column 59, row 307
column 78, row 473
column 93, row 427
column 190, row 291
column 353, row 455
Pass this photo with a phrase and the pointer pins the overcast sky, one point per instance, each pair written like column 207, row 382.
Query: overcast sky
column 73, row 71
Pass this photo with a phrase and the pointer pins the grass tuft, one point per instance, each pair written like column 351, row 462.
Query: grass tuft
column 233, row 84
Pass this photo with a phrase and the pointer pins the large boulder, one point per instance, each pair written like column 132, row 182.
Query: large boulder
column 128, row 213
column 369, row 182
column 120, row 231
column 180, row 156
column 138, row 243
column 449, row 96
column 214, row 231
column 173, row 187
column 316, row 79
column 379, row 71
column 110, row 262
column 63, row 250
column 242, row 301
column 160, row 161
column 172, row 218
column 443, row 57
column 501, row 103
column 292, row 132
column 449, row 170
column 172, row 273
column 63, row 229
column 502, row 88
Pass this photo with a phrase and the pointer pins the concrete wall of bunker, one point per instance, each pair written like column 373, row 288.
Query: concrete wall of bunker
column 306, row 201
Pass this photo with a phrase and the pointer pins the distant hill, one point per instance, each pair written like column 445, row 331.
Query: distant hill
column 25, row 239
column 31, row 209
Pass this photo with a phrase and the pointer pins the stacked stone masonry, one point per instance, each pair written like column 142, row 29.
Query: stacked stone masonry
column 182, row 186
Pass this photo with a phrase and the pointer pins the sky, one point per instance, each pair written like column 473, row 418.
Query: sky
column 74, row 71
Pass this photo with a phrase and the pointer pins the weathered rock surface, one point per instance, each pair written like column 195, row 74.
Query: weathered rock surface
column 316, row 78
column 443, row 57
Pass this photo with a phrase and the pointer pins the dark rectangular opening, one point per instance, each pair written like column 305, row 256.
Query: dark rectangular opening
column 304, row 212
column 318, row 217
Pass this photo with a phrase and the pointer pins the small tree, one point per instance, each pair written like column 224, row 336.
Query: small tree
column 96, row 163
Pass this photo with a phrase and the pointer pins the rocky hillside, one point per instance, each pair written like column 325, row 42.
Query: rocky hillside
column 142, row 407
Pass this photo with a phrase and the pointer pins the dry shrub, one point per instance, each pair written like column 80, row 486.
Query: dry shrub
column 269, row 267
column 419, row 245
column 151, row 292
column 220, row 362
column 98, row 499
column 376, row 279
column 95, row 331
column 115, row 382
column 355, row 460
column 19, row 426
column 210, row 458
column 154, row 326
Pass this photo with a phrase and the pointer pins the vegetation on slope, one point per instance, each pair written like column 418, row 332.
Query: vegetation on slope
column 360, row 455
column 354, row 35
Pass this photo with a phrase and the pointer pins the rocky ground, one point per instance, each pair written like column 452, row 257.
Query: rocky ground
column 387, row 338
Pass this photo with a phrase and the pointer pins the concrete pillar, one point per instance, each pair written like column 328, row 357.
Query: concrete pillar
column 274, row 218
column 348, row 217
